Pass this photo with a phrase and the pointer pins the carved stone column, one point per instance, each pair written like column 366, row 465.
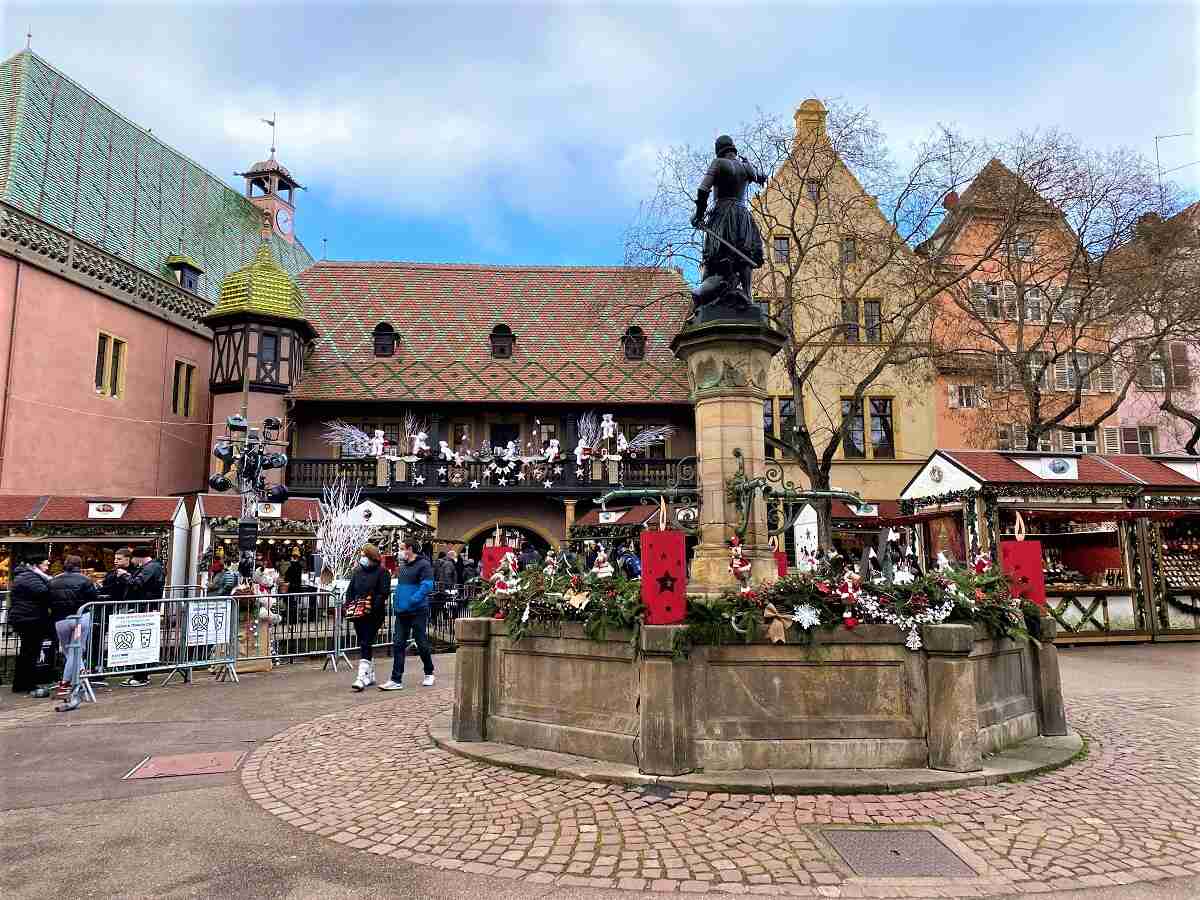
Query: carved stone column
column 469, row 721
column 728, row 364
column 1052, row 717
column 953, row 706
column 664, row 707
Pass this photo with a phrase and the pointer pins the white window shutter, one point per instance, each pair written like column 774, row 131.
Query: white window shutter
column 1002, row 366
column 979, row 299
column 952, row 399
column 1112, row 439
column 1009, row 295
column 1062, row 374
column 1056, row 440
column 981, row 399
column 1054, row 293
column 1106, row 379
column 1020, row 437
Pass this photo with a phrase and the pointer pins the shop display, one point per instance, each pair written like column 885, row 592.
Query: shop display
column 1077, row 555
column 1181, row 555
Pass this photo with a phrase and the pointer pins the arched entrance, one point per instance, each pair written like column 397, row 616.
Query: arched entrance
column 512, row 530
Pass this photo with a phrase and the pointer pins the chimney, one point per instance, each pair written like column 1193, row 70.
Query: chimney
column 810, row 120
column 950, row 200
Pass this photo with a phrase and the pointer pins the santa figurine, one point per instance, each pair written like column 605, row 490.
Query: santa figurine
column 602, row 568
column 552, row 450
column 420, row 443
column 445, row 452
column 377, row 443
column 739, row 566
column 505, row 580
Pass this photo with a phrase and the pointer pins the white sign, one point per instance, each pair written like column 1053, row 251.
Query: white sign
column 105, row 509
column 133, row 638
column 607, row 518
column 208, row 622
column 270, row 510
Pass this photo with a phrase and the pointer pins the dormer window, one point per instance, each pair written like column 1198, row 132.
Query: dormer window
column 385, row 340
column 502, row 342
column 634, row 341
column 187, row 272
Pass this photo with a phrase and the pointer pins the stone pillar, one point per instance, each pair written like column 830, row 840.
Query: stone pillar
column 433, row 506
column 568, row 518
column 953, row 708
column 471, row 664
column 1052, row 717
column 728, row 364
column 664, row 746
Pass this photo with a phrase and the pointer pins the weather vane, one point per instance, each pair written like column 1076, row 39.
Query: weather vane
column 271, row 122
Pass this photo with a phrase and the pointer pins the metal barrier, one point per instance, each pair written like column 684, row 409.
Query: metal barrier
column 309, row 625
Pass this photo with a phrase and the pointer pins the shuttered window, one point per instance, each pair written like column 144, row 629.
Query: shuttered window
column 1137, row 440
column 1112, row 439
column 1181, row 375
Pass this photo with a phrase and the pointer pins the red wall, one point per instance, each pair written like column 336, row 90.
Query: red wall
column 1091, row 559
column 60, row 436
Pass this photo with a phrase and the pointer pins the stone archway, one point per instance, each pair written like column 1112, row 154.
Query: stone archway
column 542, row 538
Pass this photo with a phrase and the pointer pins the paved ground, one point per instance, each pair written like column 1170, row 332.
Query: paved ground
column 363, row 804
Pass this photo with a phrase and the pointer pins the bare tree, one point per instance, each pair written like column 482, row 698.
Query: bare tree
column 339, row 537
column 1057, row 318
column 852, row 298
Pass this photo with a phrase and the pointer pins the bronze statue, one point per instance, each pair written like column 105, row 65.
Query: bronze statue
column 733, row 246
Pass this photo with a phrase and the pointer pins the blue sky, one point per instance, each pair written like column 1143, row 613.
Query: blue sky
column 523, row 133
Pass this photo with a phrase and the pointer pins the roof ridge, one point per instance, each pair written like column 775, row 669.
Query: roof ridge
column 485, row 267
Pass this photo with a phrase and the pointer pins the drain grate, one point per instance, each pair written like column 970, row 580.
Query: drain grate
column 186, row 764
column 896, row 852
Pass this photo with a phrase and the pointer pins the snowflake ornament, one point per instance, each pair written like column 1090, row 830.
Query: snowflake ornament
column 806, row 616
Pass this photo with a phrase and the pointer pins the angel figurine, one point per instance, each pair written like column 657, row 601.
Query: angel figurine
column 739, row 566
column 511, row 453
column 602, row 568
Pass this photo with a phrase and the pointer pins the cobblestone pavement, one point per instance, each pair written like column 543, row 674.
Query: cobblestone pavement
column 371, row 779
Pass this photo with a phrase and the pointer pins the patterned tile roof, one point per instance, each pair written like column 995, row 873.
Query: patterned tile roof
column 74, row 162
column 568, row 322
column 261, row 287
column 637, row 515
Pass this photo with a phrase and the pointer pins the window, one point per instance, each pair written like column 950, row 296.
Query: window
column 812, row 188
column 871, row 321
column 1152, row 373
column 110, row 366
column 769, row 423
column 850, row 321
column 787, row 420
column 849, row 251
column 183, row 396
column 853, row 430
column 1038, row 370
column 502, row 340
column 1137, row 440
column 460, row 435
column 780, row 247
column 634, row 342
column 883, row 445
column 385, row 340
column 268, row 347
column 1021, row 247
column 1015, row 436
column 1082, row 441
column 189, row 279
column 1035, row 310
column 965, row 396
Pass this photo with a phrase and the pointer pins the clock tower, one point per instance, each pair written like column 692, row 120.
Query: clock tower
column 271, row 188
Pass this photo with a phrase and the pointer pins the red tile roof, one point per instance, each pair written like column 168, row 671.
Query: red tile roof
column 637, row 515
column 995, row 466
column 1152, row 472
column 888, row 509
column 18, row 507
column 568, row 322
column 140, row 509
column 230, row 505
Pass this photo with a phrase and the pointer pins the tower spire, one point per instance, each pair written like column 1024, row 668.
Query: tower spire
column 271, row 122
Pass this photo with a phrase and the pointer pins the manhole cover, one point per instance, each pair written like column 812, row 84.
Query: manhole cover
column 187, row 764
column 894, row 852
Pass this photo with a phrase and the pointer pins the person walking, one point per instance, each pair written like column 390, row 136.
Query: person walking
column 366, row 602
column 144, row 582
column 223, row 580
column 29, row 617
column 68, row 592
column 410, row 603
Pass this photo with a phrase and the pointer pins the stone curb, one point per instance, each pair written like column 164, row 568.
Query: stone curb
column 1034, row 757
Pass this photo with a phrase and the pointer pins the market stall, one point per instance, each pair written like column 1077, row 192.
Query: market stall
column 287, row 531
column 92, row 528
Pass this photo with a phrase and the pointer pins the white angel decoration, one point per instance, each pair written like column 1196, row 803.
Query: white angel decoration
column 582, row 452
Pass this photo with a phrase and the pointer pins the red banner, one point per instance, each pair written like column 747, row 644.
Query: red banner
column 664, row 576
column 1022, row 563
column 491, row 559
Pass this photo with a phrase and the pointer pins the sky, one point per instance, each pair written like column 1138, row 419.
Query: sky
column 522, row 133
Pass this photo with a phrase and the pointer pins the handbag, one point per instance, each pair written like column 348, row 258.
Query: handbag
column 358, row 608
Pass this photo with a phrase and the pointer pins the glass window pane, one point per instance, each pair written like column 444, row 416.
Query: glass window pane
column 189, row 373
column 114, row 373
column 176, row 384
column 101, row 357
column 882, row 437
column 853, row 432
column 871, row 319
column 850, row 321
column 769, row 422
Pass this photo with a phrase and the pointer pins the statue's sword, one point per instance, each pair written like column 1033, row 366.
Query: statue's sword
column 713, row 234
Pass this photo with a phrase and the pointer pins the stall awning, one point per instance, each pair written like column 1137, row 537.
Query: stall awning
column 1092, row 514
column 923, row 516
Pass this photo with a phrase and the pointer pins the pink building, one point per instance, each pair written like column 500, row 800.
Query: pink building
column 113, row 247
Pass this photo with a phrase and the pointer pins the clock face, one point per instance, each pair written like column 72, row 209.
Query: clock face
column 283, row 221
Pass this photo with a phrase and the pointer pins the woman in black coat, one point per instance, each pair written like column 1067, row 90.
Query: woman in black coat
column 29, row 617
column 370, row 579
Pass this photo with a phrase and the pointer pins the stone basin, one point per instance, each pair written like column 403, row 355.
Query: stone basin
column 856, row 700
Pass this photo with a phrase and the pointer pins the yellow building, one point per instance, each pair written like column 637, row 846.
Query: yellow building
column 852, row 295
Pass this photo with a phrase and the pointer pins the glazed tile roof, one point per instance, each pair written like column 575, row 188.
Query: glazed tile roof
column 568, row 323
column 74, row 162
column 261, row 287
column 18, row 507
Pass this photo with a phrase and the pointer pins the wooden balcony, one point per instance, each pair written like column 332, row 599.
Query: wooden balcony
column 431, row 477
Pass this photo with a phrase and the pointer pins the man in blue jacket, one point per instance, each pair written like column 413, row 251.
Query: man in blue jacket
column 410, row 604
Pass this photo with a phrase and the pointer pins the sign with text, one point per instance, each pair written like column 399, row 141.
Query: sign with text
column 208, row 622
column 134, row 638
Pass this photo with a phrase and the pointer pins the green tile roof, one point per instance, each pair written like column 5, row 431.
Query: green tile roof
column 76, row 163
column 261, row 288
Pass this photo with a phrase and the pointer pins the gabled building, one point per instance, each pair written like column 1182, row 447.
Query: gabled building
column 113, row 247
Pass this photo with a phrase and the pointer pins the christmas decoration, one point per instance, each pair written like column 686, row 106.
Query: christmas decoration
column 739, row 566
column 602, row 568
column 664, row 576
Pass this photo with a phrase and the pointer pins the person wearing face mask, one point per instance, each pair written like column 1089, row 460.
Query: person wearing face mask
column 410, row 603
column 366, row 599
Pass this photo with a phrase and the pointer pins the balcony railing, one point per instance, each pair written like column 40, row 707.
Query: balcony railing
column 435, row 475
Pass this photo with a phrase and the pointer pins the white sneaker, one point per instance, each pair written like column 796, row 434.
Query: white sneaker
column 364, row 669
column 370, row 674
column 391, row 686
column 427, row 681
